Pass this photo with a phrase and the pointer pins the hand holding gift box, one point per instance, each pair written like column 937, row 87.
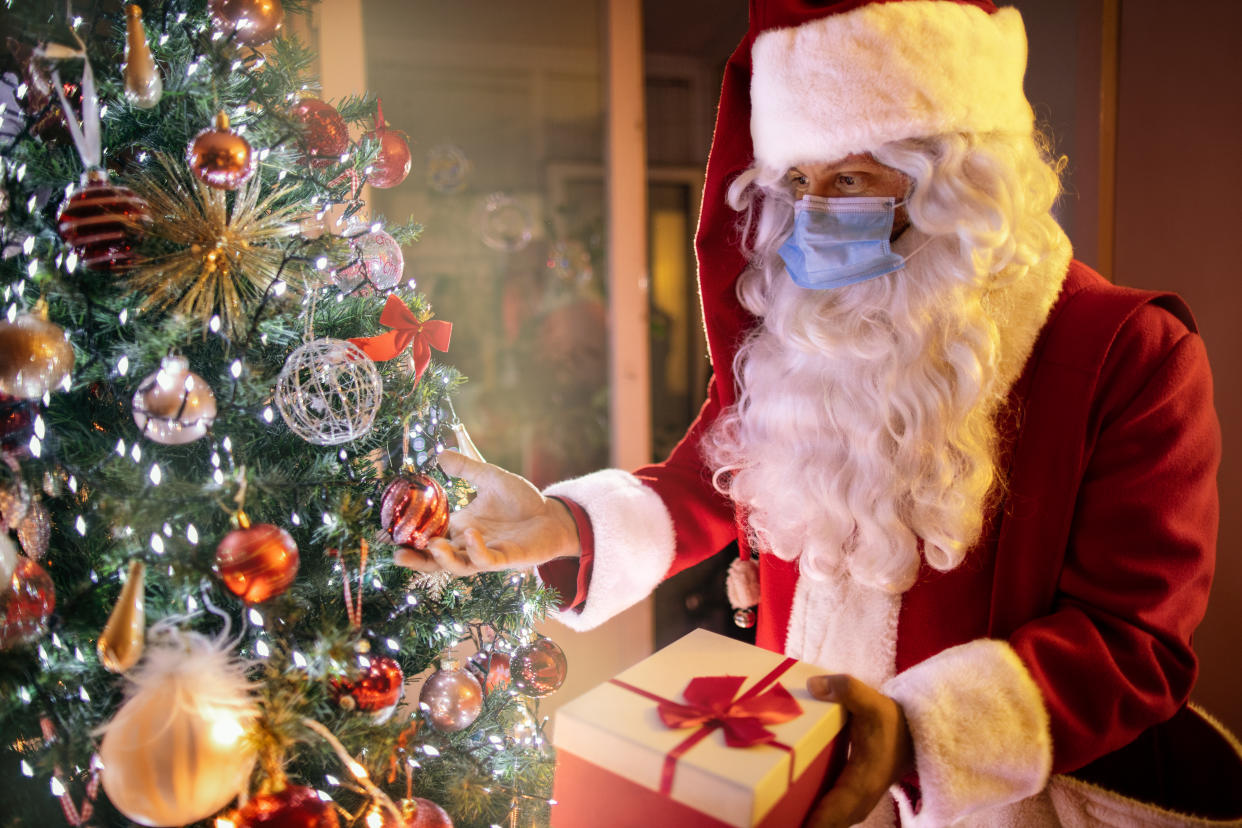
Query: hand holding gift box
column 672, row 742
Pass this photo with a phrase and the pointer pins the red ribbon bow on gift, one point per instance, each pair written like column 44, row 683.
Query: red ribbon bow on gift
column 711, row 705
column 711, row 702
column 406, row 330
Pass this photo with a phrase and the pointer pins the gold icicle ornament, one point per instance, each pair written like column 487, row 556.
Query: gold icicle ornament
column 143, row 86
column 120, row 644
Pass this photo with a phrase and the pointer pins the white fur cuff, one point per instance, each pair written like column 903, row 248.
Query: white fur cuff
column 634, row 542
column 980, row 731
column 849, row 82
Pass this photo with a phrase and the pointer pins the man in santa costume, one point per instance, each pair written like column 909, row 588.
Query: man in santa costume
column 978, row 480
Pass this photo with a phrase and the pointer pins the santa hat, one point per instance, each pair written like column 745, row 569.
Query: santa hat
column 883, row 71
column 835, row 78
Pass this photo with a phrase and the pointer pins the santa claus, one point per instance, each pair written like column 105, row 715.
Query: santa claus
column 977, row 481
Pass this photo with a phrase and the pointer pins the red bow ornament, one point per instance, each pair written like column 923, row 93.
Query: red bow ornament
column 711, row 701
column 406, row 331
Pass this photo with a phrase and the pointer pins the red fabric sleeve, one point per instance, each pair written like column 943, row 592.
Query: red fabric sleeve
column 571, row 577
column 1114, row 656
column 703, row 519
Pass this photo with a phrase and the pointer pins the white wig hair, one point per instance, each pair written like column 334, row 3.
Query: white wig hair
column 864, row 433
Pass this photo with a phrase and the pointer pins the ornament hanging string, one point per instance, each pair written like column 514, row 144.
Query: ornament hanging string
column 75, row 816
column 87, row 137
column 356, row 770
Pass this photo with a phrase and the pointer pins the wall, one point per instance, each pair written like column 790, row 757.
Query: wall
column 1179, row 175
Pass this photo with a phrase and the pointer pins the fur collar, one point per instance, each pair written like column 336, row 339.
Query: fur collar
column 1020, row 308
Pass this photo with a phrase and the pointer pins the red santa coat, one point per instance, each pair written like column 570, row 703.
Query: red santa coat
column 1065, row 634
column 1077, row 607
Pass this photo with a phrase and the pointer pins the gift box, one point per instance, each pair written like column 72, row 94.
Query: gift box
column 708, row 731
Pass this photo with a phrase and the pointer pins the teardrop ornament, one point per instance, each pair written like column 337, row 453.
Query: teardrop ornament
column 120, row 644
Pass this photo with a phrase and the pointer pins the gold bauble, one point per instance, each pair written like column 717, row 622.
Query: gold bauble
column 249, row 22
column 120, row 643
column 220, row 157
column 34, row 355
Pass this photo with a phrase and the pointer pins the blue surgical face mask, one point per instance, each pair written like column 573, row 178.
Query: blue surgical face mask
column 840, row 241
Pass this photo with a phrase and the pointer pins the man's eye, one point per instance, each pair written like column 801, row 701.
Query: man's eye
column 849, row 182
column 797, row 179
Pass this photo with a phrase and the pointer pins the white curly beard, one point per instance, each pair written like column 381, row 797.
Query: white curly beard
column 865, row 421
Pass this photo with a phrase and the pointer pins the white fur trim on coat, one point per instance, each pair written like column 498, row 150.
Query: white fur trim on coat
column 980, row 732
column 847, row 83
column 634, row 542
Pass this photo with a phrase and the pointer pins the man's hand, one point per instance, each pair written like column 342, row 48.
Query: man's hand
column 509, row 525
column 880, row 751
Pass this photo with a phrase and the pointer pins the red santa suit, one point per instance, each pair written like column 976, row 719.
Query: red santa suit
column 1065, row 633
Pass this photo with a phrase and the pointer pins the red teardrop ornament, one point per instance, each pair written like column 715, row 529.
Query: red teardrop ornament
column 392, row 163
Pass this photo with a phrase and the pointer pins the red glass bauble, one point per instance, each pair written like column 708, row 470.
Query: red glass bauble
column 258, row 562
column 26, row 602
column 491, row 668
column 392, row 162
column 423, row 813
column 249, row 22
column 220, row 157
column 377, row 690
column 451, row 698
column 16, row 424
column 103, row 223
column 538, row 668
column 414, row 509
column 297, row 806
column 324, row 133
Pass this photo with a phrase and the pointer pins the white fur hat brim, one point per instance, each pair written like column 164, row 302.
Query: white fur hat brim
column 850, row 82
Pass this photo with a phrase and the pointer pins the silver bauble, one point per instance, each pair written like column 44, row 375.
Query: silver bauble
column 174, row 405
column 380, row 263
column 538, row 668
column 451, row 698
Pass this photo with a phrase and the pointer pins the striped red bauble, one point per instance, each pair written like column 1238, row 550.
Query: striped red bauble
column 103, row 223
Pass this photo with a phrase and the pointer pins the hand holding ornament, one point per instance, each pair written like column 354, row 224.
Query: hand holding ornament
column 509, row 525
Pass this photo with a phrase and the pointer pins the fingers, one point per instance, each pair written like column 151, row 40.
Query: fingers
column 415, row 559
column 456, row 464
column 466, row 554
column 847, row 691
column 879, row 750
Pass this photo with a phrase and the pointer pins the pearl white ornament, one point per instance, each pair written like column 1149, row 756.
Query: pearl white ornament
column 329, row 392
column 176, row 751
column 174, row 405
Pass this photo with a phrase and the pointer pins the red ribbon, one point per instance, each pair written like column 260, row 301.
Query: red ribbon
column 712, row 706
column 406, row 330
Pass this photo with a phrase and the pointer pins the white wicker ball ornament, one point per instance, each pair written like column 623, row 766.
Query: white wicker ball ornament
column 329, row 392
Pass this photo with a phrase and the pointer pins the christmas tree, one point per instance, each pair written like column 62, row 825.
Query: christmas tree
column 220, row 419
